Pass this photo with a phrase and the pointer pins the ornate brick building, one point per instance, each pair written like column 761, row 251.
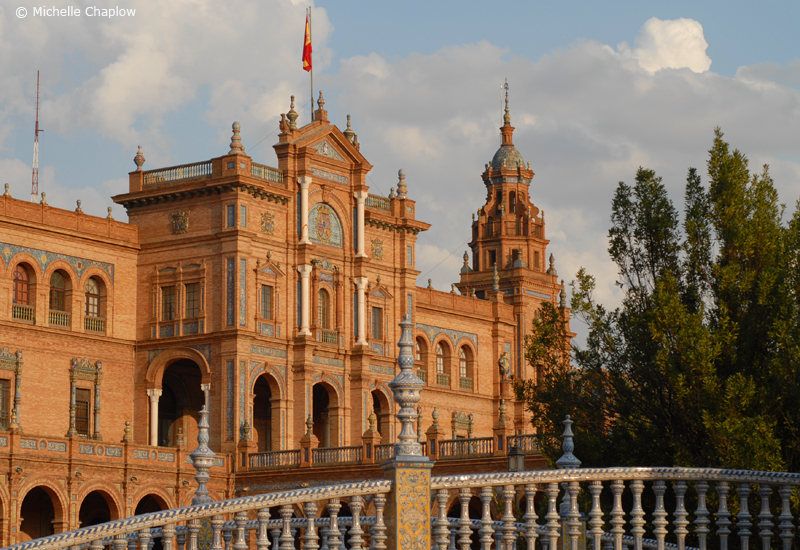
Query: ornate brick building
column 270, row 295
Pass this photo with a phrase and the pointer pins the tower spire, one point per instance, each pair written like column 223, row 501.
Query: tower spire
column 506, row 130
column 507, row 115
column 35, row 174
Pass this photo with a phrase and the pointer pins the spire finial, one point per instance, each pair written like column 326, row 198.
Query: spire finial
column 349, row 133
column 552, row 269
column 6, row 194
column 402, row 190
column 110, row 217
column 236, row 140
column 507, row 115
column 292, row 116
column 568, row 460
column 78, row 202
column 466, row 259
column 321, row 101
column 44, row 200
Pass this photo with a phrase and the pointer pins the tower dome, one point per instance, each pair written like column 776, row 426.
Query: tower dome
column 507, row 155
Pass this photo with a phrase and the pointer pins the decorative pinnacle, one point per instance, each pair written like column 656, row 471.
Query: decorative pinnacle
column 391, row 193
column 6, row 194
column 371, row 418
column 127, row 436
column 292, row 116
column 402, row 190
column 552, row 269
column 430, row 284
column 139, row 159
column 452, row 288
column 507, row 115
column 309, row 425
column 44, row 199
column 562, row 296
column 349, row 133
column 495, row 279
column 321, row 101
column 202, row 460
column 236, row 141
column 466, row 258
column 406, row 388
column 78, row 202
column 110, row 217
column 568, row 460
column 503, row 410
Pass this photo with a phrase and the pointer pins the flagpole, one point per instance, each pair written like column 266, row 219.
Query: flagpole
column 312, row 66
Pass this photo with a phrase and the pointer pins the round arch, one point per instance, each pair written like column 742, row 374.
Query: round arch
column 61, row 265
column 158, row 495
column 155, row 371
column 57, row 497
column 265, row 412
column 109, row 493
column 326, row 412
column 27, row 259
column 382, row 407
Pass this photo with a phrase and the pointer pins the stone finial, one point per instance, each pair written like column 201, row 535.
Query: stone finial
column 529, row 165
column 236, row 140
column 14, row 420
column 321, row 101
column 247, row 431
column 371, row 419
column 472, row 292
column 466, row 259
column 202, row 460
column 452, row 288
column 402, row 189
column 562, row 296
column 309, row 425
column 127, row 436
column 179, row 438
column 435, row 416
column 44, row 198
column 542, row 216
column 138, row 160
column 503, row 410
column 406, row 388
column 349, row 133
column 552, row 269
column 78, row 209
column 430, row 284
column 507, row 115
column 292, row 116
column 568, row 460
column 110, row 216
column 473, row 216
column 6, row 194
column 392, row 196
column 495, row 279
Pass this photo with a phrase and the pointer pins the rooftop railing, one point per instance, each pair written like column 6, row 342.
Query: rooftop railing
column 378, row 202
column 178, row 173
column 266, row 173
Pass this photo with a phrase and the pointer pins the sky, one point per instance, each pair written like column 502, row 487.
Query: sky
column 596, row 90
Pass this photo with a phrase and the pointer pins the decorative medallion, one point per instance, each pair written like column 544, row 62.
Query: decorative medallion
column 180, row 223
column 324, row 225
column 267, row 223
column 377, row 249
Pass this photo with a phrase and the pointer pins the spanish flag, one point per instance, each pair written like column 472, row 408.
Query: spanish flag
column 307, row 46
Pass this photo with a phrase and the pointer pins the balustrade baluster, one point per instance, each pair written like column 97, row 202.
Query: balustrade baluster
column 378, row 530
column 343, row 535
column 356, row 540
column 144, row 537
column 552, row 516
column 167, row 535
column 529, row 517
column 722, row 515
column 241, row 531
column 441, row 528
column 637, row 514
column 333, row 529
column 287, row 540
column 226, row 537
column 617, row 519
column 452, row 545
column 310, row 538
column 596, row 515
column 679, row 487
column 262, row 541
column 573, row 515
column 787, row 525
column 216, row 528
column 764, row 491
column 121, row 542
column 96, row 544
column 181, row 540
column 464, row 496
column 276, row 538
column 323, row 531
column 509, row 530
column 660, row 514
column 498, row 535
column 486, row 530
column 701, row 514
column 743, row 519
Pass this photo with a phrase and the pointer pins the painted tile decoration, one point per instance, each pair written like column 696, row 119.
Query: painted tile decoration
column 324, row 226
column 242, row 292
column 267, row 223
column 230, row 295
column 382, row 369
column 329, row 176
column 3, row 441
column 141, row 454
column 265, row 329
column 326, row 277
column 165, row 331
column 324, row 264
column 409, row 255
column 538, row 294
column 57, row 446
column 191, row 327
column 166, row 457
column 330, row 361
column 454, row 335
column 114, row 451
column 410, row 306
column 326, row 149
column 229, row 403
column 377, row 249
column 231, row 215
column 218, row 462
column 43, row 257
column 86, row 449
column 28, row 444
column 377, row 348
column 180, row 223
column 272, row 352
column 243, row 215
column 242, row 390
column 204, row 349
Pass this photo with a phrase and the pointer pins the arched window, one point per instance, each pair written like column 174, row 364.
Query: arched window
column 417, row 354
column 440, row 353
column 21, row 285
column 92, row 298
column 512, row 201
column 57, row 292
column 324, row 309
column 462, row 363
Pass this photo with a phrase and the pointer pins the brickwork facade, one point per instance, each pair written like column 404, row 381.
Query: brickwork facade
column 270, row 295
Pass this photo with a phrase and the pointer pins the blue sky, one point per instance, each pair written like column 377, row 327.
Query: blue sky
column 597, row 89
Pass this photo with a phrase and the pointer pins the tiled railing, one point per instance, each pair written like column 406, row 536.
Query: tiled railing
column 266, row 173
column 94, row 324
column 384, row 452
column 378, row 202
column 655, row 514
column 20, row 312
column 60, row 319
column 275, row 459
column 528, row 443
column 442, row 379
column 465, row 383
column 476, row 446
column 177, row 173
column 328, row 337
column 423, row 375
column 337, row 455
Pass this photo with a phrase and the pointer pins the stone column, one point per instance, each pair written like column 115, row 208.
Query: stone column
column 305, row 272
column 154, row 394
column 97, row 435
column 206, row 388
column 305, row 183
column 361, row 284
column 72, row 409
column 360, row 196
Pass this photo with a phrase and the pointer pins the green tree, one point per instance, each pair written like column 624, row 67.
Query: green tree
column 699, row 364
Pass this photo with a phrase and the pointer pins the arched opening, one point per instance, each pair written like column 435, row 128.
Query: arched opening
column 182, row 399
column 383, row 415
column 324, row 308
column 421, row 358
column 465, row 369
column 149, row 504
column 442, row 364
column 325, row 415
column 475, row 510
column 37, row 515
column 266, row 411
column 23, row 294
column 60, row 299
column 92, row 298
column 96, row 508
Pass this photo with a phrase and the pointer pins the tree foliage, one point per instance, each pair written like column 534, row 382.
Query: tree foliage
column 699, row 365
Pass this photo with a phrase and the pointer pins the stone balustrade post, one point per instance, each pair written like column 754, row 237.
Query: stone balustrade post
column 308, row 443
column 154, row 395
column 369, row 441
column 434, row 435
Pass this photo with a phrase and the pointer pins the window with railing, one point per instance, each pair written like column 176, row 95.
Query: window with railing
column 192, row 300
column 21, row 285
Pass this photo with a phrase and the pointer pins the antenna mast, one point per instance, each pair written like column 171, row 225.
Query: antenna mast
column 35, row 175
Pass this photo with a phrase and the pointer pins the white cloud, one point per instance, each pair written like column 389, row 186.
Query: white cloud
column 670, row 44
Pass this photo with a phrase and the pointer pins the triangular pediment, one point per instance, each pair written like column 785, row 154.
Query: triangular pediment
column 380, row 291
column 271, row 268
column 325, row 149
column 329, row 142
